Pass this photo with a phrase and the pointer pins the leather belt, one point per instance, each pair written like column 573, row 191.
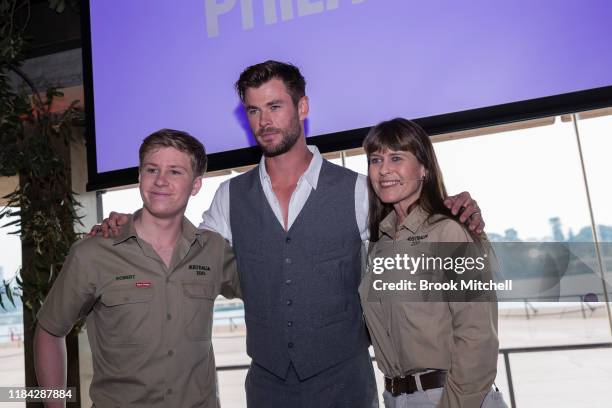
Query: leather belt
column 408, row 384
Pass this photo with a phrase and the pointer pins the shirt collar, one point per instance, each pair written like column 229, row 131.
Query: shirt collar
column 189, row 231
column 311, row 175
column 413, row 222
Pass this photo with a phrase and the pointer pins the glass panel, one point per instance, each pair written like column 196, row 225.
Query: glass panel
column 231, row 387
column 12, row 372
column 201, row 202
column 596, row 141
column 528, row 182
column 126, row 200
column 357, row 163
column 562, row 379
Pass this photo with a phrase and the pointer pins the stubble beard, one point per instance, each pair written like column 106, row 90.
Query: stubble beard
column 290, row 137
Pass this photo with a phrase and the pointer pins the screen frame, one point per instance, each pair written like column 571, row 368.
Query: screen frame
column 584, row 100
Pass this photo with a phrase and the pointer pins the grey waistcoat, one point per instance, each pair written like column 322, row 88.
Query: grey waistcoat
column 300, row 287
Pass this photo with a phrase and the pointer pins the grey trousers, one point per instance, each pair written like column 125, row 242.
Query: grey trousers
column 431, row 398
column 350, row 384
column 418, row 399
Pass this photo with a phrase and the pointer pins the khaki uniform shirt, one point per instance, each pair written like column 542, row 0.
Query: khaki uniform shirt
column 149, row 326
column 411, row 337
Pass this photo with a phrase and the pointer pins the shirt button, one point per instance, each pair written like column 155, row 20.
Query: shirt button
column 288, row 282
column 290, row 345
column 288, row 260
column 289, row 323
column 169, row 316
column 289, row 302
column 170, row 353
column 169, row 391
column 167, row 280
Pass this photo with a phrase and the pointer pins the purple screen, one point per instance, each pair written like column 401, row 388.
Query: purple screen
column 158, row 63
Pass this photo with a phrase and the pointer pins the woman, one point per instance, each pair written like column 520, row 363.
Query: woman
column 436, row 353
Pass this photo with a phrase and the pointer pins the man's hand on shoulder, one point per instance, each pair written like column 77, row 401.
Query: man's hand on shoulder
column 111, row 226
column 464, row 206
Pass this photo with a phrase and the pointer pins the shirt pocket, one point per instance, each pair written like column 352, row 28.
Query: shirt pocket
column 198, row 302
column 125, row 316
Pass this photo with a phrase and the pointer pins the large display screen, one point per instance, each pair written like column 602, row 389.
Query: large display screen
column 154, row 64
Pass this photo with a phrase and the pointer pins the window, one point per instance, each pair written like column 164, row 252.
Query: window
column 12, row 371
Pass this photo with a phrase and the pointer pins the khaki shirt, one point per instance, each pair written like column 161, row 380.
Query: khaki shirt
column 149, row 326
column 411, row 337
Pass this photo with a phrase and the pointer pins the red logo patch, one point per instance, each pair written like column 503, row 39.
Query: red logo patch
column 143, row 284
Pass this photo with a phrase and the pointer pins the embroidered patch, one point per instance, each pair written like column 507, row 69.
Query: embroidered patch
column 143, row 284
column 199, row 267
column 416, row 239
column 200, row 270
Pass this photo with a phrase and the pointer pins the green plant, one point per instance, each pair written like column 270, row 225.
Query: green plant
column 31, row 138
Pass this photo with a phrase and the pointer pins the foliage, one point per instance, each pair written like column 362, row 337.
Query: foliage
column 30, row 133
column 60, row 5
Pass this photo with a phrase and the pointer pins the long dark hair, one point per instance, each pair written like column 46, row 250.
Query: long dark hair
column 403, row 135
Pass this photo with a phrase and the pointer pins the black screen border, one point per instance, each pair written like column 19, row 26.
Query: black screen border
column 451, row 122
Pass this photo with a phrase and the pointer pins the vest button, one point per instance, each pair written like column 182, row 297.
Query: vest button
column 288, row 239
column 288, row 260
column 289, row 302
column 289, row 323
column 290, row 345
column 288, row 282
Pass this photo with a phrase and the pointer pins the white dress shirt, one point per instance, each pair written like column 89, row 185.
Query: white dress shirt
column 217, row 217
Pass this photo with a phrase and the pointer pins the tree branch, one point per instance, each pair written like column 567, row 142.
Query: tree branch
column 27, row 80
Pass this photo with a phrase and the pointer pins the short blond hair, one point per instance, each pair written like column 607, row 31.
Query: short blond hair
column 181, row 141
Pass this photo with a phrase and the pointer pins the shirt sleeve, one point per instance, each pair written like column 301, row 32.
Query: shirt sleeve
column 217, row 217
column 475, row 344
column 230, row 284
column 361, row 206
column 71, row 297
